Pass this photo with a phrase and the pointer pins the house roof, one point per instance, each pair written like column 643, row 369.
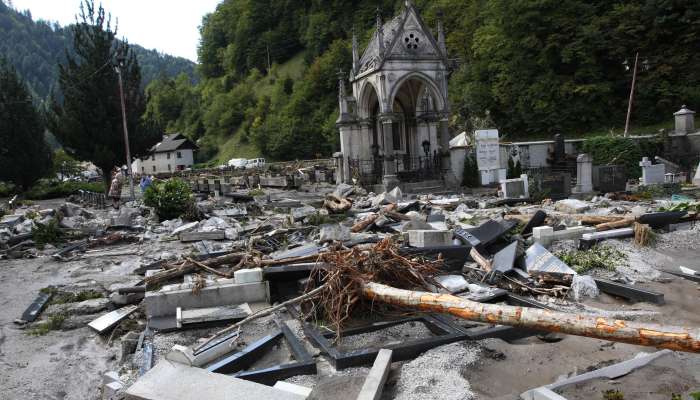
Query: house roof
column 173, row 142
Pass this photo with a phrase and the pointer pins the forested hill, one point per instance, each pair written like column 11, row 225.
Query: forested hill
column 526, row 67
column 34, row 48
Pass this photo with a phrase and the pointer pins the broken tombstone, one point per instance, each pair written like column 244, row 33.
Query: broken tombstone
column 334, row 232
column 546, row 266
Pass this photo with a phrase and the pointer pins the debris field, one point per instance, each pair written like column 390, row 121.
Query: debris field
column 333, row 292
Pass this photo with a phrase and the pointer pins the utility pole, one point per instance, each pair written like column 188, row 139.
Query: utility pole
column 121, row 59
column 629, row 106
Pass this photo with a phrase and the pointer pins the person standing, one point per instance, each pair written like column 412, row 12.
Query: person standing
column 115, row 188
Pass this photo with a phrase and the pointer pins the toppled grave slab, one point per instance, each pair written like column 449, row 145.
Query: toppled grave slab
column 169, row 381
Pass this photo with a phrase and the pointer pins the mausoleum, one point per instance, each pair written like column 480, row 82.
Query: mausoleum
column 393, row 124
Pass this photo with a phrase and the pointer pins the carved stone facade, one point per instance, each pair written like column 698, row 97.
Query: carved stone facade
column 398, row 110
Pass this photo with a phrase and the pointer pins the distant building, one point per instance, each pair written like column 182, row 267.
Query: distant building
column 174, row 153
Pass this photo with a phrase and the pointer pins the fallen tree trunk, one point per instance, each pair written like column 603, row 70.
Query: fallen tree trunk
column 666, row 337
column 623, row 223
column 190, row 267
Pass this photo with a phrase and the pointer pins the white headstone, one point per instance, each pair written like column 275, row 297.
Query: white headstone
column 652, row 174
column 584, row 174
column 487, row 150
column 696, row 178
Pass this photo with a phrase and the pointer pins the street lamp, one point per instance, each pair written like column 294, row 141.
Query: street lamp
column 121, row 63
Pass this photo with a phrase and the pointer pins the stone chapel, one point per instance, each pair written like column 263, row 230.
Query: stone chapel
column 393, row 126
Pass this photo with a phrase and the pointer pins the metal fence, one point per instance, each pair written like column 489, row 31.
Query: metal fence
column 97, row 200
column 408, row 169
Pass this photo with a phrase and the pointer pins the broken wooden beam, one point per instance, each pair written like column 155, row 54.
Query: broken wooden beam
column 666, row 337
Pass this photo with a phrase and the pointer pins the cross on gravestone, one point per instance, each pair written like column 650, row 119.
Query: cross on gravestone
column 652, row 174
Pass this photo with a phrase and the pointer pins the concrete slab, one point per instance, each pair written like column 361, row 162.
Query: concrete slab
column 163, row 303
column 174, row 381
column 429, row 238
column 110, row 319
column 197, row 236
column 374, row 384
column 292, row 388
column 200, row 315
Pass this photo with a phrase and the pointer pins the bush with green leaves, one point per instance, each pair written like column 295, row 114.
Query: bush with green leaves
column 171, row 199
column 470, row 175
column 51, row 189
column 618, row 150
column 48, row 233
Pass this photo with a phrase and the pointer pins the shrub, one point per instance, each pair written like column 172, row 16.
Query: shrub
column 470, row 176
column 44, row 189
column 171, row 199
column 48, row 233
column 623, row 151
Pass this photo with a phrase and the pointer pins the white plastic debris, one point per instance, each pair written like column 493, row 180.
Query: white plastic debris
column 688, row 271
column 453, row 283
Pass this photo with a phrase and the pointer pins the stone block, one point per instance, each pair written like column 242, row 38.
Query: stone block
column 334, row 232
column 252, row 275
column 11, row 220
column 164, row 303
column 572, row 206
column 273, row 181
column 171, row 381
column 292, row 388
column 543, row 235
column 429, row 238
column 111, row 390
column 111, row 376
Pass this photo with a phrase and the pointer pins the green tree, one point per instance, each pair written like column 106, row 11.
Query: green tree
column 24, row 154
column 88, row 121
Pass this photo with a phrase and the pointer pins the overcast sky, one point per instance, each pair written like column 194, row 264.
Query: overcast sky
column 170, row 26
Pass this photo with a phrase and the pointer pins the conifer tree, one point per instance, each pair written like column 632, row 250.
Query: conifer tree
column 24, row 154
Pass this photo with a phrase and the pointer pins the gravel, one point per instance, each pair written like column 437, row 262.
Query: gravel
column 437, row 374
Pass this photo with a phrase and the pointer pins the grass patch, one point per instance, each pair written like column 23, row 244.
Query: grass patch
column 53, row 189
column 256, row 192
column 61, row 297
column 52, row 323
column 598, row 257
column 613, row 395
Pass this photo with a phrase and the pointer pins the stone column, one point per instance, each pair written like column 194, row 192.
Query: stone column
column 390, row 180
column 346, row 150
column 584, row 175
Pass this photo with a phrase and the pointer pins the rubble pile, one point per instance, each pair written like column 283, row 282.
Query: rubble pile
column 274, row 287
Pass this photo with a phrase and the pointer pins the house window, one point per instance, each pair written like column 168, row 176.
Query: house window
column 169, row 167
column 154, row 168
column 168, row 155
column 153, row 157
column 143, row 170
column 179, row 154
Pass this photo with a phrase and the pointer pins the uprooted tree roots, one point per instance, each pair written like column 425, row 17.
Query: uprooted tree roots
column 351, row 270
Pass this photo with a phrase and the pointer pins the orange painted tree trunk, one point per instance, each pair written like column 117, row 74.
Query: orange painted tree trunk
column 666, row 337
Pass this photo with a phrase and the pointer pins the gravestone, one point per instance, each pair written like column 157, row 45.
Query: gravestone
column 684, row 121
column 696, row 178
column 488, row 156
column 584, row 175
column 609, row 178
column 515, row 188
column 652, row 174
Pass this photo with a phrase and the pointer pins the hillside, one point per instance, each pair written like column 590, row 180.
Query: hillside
column 527, row 68
column 35, row 48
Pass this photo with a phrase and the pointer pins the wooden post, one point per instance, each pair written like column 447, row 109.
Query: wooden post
column 629, row 105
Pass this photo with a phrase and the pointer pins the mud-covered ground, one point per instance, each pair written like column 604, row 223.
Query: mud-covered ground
column 68, row 363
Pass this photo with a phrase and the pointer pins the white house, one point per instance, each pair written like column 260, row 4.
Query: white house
column 174, row 153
